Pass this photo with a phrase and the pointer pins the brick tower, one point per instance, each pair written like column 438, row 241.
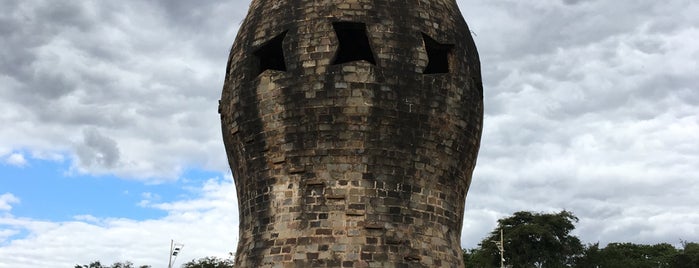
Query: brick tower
column 352, row 129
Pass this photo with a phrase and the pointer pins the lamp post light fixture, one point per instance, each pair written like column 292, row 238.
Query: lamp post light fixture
column 175, row 249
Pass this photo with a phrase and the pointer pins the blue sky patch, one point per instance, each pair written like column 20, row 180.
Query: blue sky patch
column 47, row 193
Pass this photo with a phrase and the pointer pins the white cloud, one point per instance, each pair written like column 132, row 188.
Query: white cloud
column 16, row 159
column 117, row 89
column 5, row 234
column 148, row 198
column 589, row 109
column 206, row 225
column 6, row 200
column 86, row 218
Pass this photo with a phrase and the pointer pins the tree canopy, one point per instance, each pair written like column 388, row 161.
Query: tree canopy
column 209, row 262
column 630, row 255
column 545, row 240
column 98, row 264
column 688, row 257
column 531, row 240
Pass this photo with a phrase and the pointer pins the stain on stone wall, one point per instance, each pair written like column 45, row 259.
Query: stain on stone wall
column 352, row 129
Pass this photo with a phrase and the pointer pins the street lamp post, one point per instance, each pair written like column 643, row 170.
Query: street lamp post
column 174, row 251
column 501, row 247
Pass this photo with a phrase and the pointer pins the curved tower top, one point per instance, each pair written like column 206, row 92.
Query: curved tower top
column 352, row 129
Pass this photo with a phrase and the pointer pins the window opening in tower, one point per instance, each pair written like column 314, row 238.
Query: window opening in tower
column 270, row 56
column 353, row 43
column 437, row 55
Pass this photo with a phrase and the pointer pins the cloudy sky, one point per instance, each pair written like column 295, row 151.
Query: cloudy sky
column 111, row 144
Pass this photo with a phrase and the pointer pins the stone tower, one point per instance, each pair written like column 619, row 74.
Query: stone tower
column 352, row 128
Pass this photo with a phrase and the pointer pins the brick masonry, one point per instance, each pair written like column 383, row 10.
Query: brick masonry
column 347, row 155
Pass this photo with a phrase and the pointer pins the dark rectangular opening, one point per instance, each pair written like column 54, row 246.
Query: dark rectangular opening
column 437, row 55
column 353, row 43
column 270, row 56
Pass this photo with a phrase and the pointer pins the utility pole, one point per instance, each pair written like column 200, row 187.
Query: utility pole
column 501, row 247
column 169, row 261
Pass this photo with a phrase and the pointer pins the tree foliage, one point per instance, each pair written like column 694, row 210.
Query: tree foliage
column 545, row 240
column 209, row 262
column 628, row 255
column 531, row 240
column 98, row 264
column 206, row 262
column 688, row 257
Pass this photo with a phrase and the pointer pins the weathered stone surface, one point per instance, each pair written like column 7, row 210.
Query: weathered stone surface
column 352, row 128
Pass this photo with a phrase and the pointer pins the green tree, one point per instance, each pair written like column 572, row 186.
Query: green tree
column 475, row 258
column 531, row 240
column 480, row 258
column 618, row 255
column 466, row 254
column 94, row 264
column 98, row 264
column 688, row 257
column 591, row 257
column 209, row 262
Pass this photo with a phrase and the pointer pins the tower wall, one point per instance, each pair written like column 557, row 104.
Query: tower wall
column 352, row 129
